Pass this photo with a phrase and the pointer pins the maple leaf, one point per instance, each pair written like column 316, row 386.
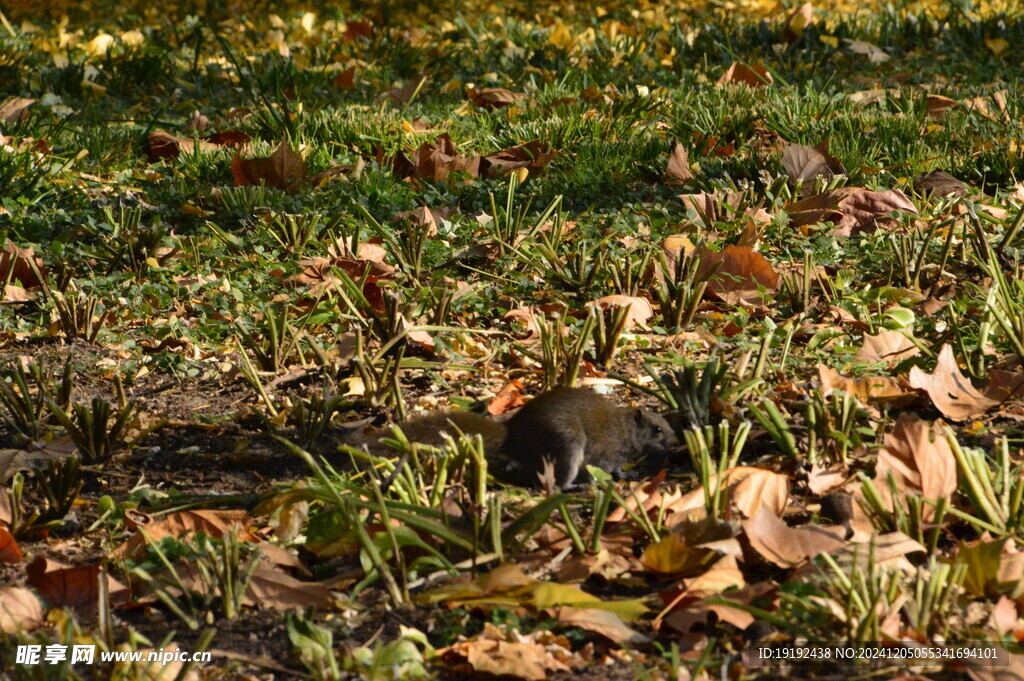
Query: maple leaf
column 789, row 546
column 918, row 460
column 955, row 396
column 678, row 170
column 284, row 169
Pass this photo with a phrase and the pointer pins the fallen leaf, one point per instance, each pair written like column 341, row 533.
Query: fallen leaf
column 534, row 656
column 874, row 53
column 490, row 98
column 10, row 552
column 346, row 79
column 20, row 610
column 77, row 587
column 788, row 546
column 937, row 105
column 887, row 346
column 533, row 155
column 851, row 209
column 161, row 144
column 15, row 109
column 940, row 184
column 640, row 309
column 284, row 169
column 358, row 29
column 690, row 548
column 918, row 458
column 804, row 163
column 955, row 396
column 273, row 588
column 20, row 265
column 744, row 74
column 869, row 390
column 739, row 274
column 212, row 523
column 678, row 170
column 608, row 624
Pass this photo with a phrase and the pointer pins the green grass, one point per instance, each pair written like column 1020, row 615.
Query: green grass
column 198, row 279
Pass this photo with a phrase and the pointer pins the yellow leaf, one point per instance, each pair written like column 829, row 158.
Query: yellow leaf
column 560, row 36
column 354, row 386
column 829, row 40
column 132, row 38
column 997, row 45
column 309, row 22
column 98, row 46
column 521, row 174
column 152, row 262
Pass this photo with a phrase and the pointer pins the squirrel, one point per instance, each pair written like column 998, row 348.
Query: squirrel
column 570, row 427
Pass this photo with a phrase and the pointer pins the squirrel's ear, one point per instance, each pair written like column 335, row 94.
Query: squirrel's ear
column 639, row 416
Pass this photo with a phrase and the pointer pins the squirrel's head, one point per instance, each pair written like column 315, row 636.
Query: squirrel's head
column 655, row 432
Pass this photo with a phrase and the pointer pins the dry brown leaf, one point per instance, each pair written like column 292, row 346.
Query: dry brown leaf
column 740, row 274
column 805, row 163
column 822, row 480
column 10, row 552
column 955, row 396
column 345, row 80
column 210, row 522
column 272, row 588
column 678, row 170
column 919, row 460
column 682, row 620
column 874, row 53
column 603, row 622
column 20, row 610
column 528, row 316
column 887, row 346
column 869, row 390
column 15, row 109
column 284, row 169
column 162, row 144
column 940, row 184
column 358, row 29
column 77, row 588
column 767, row 487
column 16, row 265
column 851, row 209
column 533, row 656
column 15, row 294
column 752, row 489
column 433, row 161
column 724, row 574
column 640, row 309
column 490, row 98
column 509, row 397
column 690, row 548
column 937, row 105
column 789, row 546
column 533, row 155
column 744, row 74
